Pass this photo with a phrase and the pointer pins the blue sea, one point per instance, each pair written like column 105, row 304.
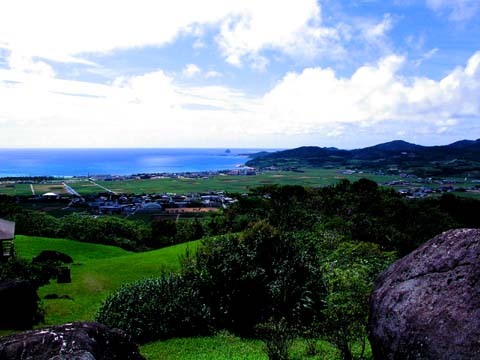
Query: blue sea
column 82, row 162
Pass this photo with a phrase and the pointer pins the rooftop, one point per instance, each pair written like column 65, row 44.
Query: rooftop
column 7, row 230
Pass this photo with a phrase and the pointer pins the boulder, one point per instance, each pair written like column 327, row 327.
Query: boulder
column 18, row 304
column 76, row 341
column 427, row 304
column 53, row 256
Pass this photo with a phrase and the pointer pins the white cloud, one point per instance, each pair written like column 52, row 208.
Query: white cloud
column 425, row 56
column 65, row 31
column 191, row 70
column 457, row 10
column 292, row 27
column 20, row 63
column 379, row 30
column 211, row 74
column 376, row 93
column 156, row 109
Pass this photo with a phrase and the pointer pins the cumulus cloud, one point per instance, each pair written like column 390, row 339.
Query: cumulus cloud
column 373, row 94
column 157, row 109
column 66, row 31
column 292, row 27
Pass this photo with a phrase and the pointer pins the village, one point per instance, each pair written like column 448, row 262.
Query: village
column 157, row 204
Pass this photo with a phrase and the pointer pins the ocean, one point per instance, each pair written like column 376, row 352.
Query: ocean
column 83, row 162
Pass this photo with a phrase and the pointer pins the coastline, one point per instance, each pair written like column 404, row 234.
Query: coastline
column 84, row 163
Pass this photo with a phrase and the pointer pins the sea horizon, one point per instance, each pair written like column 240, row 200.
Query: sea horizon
column 69, row 162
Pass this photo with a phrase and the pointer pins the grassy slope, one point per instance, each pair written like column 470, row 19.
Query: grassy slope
column 97, row 271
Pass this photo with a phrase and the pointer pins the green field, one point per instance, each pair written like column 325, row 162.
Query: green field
column 231, row 183
column 17, row 190
column 84, row 187
column 97, row 271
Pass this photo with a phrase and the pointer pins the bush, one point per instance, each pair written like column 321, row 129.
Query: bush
column 165, row 307
column 278, row 337
column 36, row 223
column 260, row 274
column 35, row 273
column 19, row 280
column 106, row 230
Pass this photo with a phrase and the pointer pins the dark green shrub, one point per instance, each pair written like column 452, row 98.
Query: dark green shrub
column 19, row 281
column 108, row 230
column 20, row 269
column 278, row 337
column 271, row 274
column 36, row 223
column 349, row 274
column 160, row 308
column 163, row 232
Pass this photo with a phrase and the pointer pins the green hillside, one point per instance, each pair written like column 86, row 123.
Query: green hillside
column 100, row 269
column 97, row 271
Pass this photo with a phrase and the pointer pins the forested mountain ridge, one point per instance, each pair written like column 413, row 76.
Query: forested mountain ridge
column 459, row 158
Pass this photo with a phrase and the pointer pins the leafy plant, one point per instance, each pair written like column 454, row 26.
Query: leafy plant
column 278, row 337
column 149, row 309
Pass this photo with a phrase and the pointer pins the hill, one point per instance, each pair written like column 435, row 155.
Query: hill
column 459, row 158
column 97, row 271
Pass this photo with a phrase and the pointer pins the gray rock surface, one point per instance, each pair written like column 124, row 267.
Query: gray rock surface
column 76, row 341
column 427, row 304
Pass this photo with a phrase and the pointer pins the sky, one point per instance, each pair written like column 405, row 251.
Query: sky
column 238, row 74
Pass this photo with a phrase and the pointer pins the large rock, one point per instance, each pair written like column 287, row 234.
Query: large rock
column 18, row 304
column 77, row 341
column 427, row 304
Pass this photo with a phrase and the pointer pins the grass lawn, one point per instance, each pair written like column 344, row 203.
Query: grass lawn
column 97, row 271
column 225, row 346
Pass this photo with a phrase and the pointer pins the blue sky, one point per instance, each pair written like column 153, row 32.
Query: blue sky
column 248, row 73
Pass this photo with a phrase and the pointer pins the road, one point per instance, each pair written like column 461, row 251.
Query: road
column 70, row 190
column 103, row 187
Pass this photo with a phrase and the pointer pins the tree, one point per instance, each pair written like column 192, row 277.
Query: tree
column 349, row 273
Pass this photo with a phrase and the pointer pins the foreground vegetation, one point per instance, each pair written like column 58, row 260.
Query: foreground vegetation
column 288, row 267
column 98, row 270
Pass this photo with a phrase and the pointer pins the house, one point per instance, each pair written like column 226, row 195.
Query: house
column 7, row 233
